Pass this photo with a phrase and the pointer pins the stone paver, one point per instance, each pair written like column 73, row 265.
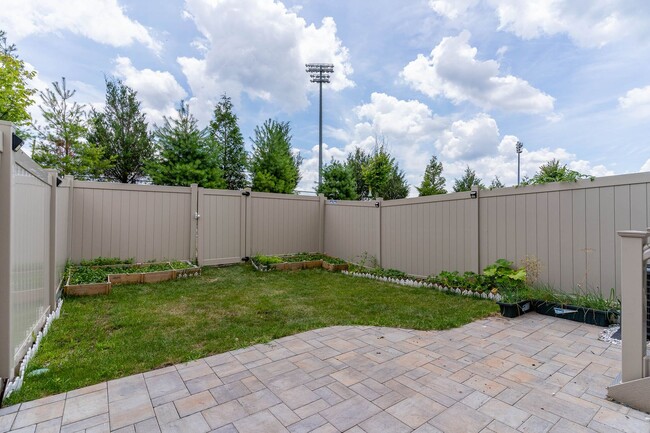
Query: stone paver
column 533, row 374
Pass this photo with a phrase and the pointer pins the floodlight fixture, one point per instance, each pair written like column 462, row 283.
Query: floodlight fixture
column 320, row 73
column 519, row 147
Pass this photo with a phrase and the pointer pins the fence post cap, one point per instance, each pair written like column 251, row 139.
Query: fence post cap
column 633, row 233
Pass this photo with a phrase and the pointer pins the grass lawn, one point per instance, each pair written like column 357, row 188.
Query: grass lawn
column 147, row 326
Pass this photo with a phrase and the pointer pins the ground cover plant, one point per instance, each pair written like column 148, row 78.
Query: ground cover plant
column 97, row 270
column 140, row 327
column 300, row 257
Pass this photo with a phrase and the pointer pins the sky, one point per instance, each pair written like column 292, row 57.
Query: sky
column 460, row 79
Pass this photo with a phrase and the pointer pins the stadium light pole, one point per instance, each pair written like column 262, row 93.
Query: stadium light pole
column 320, row 73
column 519, row 147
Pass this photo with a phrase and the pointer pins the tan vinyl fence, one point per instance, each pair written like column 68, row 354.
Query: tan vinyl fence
column 570, row 229
column 33, row 248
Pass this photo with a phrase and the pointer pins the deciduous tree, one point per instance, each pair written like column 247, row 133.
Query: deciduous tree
column 383, row 175
column 15, row 91
column 355, row 162
column 553, row 171
column 338, row 183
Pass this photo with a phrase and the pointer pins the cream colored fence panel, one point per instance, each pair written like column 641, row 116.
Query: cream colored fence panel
column 30, row 250
column 570, row 228
column 426, row 235
column 352, row 230
column 140, row 221
column 221, row 226
column 282, row 223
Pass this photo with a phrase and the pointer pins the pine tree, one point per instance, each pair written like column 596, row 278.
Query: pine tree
column 121, row 129
column 338, row 183
column 229, row 145
column 433, row 183
column 61, row 144
column 355, row 162
column 184, row 154
column 274, row 168
column 468, row 180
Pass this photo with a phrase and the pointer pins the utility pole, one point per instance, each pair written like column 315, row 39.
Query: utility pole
column 320, row 73
column 519, row 147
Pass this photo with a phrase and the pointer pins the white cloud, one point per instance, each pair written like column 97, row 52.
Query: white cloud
column 589, row 23
column 636, row 101
column 414, row 133
column 158, row 91
column 103, row 21
column 408, row 127
column 453, row 71
column 259, row 49
column 645, row 166
column 452, row 9
column 468, row 139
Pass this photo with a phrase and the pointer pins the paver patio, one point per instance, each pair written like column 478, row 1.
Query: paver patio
column 530, row 374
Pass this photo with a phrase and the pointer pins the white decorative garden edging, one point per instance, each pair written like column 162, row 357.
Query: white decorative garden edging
column 17, row 383
column 416, row 283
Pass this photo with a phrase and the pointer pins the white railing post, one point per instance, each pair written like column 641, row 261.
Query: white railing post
column 633, row 305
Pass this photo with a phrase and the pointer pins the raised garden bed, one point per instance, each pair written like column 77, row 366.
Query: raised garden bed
column 299, row 261
column 98, row 279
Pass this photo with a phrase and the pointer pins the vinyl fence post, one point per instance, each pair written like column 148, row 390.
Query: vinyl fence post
column 53, row 284
column 70, row 181
column 321, row 223
column 6, row 203
column 378, row 204
column 633, row 305
column 248, row 223
column 475, row 194
column 200, row 232
column 194, row 214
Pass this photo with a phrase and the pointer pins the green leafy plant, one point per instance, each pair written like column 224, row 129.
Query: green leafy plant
column 267, row 260
column 104, row 261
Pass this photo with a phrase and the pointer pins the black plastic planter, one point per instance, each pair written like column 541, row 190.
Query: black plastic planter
column 576, row 314
column 515, row 309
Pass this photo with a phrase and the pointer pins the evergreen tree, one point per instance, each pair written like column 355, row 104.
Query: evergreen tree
column 496, row 183
column 383, row 176
column 466, row 182
column 553, row 171
column 355, row 162
column 184, row 154
column 274, row 168
column 229, row 141
column 121, row 129
column 433, row 182
column 338, row 183
column 15, row 93
column 62, row 141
